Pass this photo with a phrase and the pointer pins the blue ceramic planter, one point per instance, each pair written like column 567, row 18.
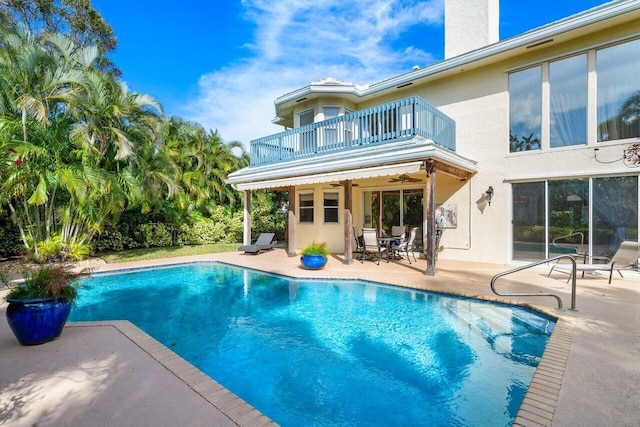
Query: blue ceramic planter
column 313, row 262
column 36, row 320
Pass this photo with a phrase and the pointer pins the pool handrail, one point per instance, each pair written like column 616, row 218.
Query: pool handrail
column 535, row 264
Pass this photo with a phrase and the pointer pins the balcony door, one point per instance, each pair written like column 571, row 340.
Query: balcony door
column 308, row 142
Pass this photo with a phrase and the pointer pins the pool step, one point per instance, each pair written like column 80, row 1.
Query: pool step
column 488, row 321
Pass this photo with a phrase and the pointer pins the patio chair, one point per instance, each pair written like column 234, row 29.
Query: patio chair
column 624, row 258
column 407, row 245
column 359, row 241
column 265, row 242
column 399, row 231
column 371, row 245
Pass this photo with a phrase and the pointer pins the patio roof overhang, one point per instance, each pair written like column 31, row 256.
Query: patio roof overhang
column 383, row 160
column 360, row 173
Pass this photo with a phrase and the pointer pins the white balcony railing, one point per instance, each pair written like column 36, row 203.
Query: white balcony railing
column 391, row 122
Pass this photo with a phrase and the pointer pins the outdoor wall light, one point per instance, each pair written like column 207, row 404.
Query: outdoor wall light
column 489, row 194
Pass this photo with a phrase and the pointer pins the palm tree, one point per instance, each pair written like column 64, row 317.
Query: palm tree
column 80, row 130
column 203, row 161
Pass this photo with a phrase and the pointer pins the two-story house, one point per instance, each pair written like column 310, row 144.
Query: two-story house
column 509, row 145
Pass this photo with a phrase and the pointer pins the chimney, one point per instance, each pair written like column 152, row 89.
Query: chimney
column 469, row 25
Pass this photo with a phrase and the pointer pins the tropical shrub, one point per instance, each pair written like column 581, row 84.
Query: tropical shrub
column 10, row 243
column 153, row 235
column 264, row 220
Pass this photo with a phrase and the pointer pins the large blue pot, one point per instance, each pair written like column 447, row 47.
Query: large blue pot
column 37, row 320
column 313, row 262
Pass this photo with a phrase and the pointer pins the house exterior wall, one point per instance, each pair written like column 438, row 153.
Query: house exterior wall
column 476, row 95
column 478, row 100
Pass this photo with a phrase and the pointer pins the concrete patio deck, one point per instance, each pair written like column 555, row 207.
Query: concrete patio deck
column 113, row 374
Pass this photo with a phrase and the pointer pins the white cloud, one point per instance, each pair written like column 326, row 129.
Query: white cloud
column 299, row 41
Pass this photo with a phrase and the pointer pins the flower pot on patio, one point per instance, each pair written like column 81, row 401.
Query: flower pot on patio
column 313, row 262
column 37, row 320
column 314, row 256
column 39, row 308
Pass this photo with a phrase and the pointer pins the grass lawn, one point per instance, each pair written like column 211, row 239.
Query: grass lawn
column 168, row 252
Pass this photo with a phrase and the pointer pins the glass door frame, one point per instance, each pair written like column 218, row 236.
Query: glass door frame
column 380, row 190
column 590, row 210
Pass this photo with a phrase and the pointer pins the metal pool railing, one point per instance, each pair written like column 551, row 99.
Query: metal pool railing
column 535, row 264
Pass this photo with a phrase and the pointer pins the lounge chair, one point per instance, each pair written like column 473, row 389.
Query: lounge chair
column 265, row 242
column 624, row 258
column 371, row 245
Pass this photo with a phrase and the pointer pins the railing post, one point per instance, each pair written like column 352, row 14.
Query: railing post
column 413, row 116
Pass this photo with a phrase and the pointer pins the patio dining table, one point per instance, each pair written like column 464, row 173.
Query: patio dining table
column 386, row 242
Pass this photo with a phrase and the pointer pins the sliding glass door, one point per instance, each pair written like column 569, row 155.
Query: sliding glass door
column 384, row 209
column 529, row 221
column 590, row 215
column 615, row 213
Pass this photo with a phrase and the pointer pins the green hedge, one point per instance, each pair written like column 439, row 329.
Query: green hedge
column 220, row 228
column 135, row 230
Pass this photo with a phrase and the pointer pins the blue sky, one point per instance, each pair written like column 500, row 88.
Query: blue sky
column 222, row 63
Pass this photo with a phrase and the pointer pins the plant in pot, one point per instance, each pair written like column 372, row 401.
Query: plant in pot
column 314, row 256
column 39, row 307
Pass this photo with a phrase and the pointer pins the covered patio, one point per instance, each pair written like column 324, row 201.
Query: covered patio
column 375, row 170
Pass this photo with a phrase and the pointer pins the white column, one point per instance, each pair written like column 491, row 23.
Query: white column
column 246, row 233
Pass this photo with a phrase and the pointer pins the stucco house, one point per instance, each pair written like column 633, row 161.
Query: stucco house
column 509, row 145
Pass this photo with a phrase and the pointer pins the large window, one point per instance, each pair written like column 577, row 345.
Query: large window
column 525, row 109
column 618, row 91
column 306, row 207
column 616, row 95
column 331, row 207
column 568, row 95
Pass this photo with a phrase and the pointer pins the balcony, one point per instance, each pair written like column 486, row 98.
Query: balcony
column 383, row 124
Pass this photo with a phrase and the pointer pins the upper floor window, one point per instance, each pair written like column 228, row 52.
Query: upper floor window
column 568, row 98
column 306, row 117
column 306, row 207
column 308, row 141
column 525, row 109
column 331, row 207
column 618, row 91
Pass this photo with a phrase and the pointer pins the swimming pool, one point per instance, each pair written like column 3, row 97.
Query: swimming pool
column 311, row 352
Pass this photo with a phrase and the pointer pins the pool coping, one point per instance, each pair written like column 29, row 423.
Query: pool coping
column 226, row 402
column 537, row 408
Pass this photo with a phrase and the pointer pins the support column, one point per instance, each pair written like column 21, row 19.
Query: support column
column 348, row 223
column 246, row 231
column 291, row 223
column 429, row 237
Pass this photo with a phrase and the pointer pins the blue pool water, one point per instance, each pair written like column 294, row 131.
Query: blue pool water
column 310, row 352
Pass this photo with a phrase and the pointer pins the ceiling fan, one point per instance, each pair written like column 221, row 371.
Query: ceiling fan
column 405, row 178
column 341, row 184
